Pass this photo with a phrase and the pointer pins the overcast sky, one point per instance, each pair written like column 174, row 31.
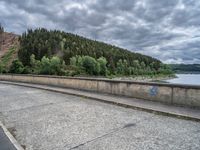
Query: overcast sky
column 166, row 29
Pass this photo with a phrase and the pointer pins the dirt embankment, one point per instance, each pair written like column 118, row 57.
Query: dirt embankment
column 8, row 40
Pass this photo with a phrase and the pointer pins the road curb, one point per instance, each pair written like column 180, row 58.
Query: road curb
column 11, row 138
column 158, row 112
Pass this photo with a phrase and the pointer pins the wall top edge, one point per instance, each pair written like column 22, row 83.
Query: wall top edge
column 187, row 86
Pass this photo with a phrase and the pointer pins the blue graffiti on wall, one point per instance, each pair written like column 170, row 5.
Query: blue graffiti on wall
column 153, row 91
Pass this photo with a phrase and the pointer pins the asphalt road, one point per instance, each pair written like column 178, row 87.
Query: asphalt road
column 5, row 143
column 43, row 120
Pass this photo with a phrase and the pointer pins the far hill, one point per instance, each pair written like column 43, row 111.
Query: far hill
column 186, row 68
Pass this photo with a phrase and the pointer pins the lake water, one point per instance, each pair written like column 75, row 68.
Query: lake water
column 193, row 79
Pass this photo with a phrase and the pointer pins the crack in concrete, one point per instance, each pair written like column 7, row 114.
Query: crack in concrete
column 99, row 137
column 129, row 125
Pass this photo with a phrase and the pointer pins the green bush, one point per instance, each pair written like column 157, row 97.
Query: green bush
column 48, row 66
column 91, row 65
column 16, row 67
column 35, row 65
column 73, row 61
column 103, row 68
column 122, row 67
column 2, row 68
column 55, row 66
column 45, row 66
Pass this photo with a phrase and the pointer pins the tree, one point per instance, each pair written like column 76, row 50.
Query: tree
column 79, row 61
column 91, row 65
column 102, row 63
column 1, row 28
column 52, row 66
column 2, row 68
column 131, row 70
column 45, row 66
column 142, row 64
column 122, row 67
column 73, row 61
column 16, row 67
column 35, row 65
column 55, row 66
column 136, row 64
column 1, row 36
column 165, row 69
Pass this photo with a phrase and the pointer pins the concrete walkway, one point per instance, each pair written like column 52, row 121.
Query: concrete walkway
column 144, row 105
column 45, row 120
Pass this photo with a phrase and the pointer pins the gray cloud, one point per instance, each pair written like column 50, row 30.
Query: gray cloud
column 168, row 30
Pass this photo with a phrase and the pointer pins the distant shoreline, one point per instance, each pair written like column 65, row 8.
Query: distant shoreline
column 188, row 73
column 147, row 78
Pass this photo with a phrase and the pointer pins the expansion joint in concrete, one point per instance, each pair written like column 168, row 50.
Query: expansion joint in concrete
column 129, row 125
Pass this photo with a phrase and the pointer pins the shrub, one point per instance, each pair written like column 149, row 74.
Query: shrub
column 103, row 68
column 16, row 67
column 73, row 61
column 122, row 67
column 87, row 63
column 45, row 66
column 2, row 68
column 52, row 66
column 34, row 65
column 90, row 65
column 55, row 66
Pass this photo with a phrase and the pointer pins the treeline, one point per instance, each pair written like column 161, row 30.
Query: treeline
column 82, row 65
column 48, row 66
column 185, row 68
column 98, row 66
column 42, row 42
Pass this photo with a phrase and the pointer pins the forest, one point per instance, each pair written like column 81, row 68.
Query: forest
column 56, row 52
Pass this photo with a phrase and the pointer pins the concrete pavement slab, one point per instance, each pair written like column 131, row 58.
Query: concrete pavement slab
column 187, row 113
column 57, row 121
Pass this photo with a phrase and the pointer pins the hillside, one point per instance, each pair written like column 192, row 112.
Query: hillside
column 44, row 51
column 43, row 42
column 8, row 40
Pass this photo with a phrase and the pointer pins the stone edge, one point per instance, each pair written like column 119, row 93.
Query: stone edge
column 11, row 138
column 187, row 86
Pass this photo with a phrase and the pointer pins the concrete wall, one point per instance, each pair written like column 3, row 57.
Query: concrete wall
column 185, row 95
